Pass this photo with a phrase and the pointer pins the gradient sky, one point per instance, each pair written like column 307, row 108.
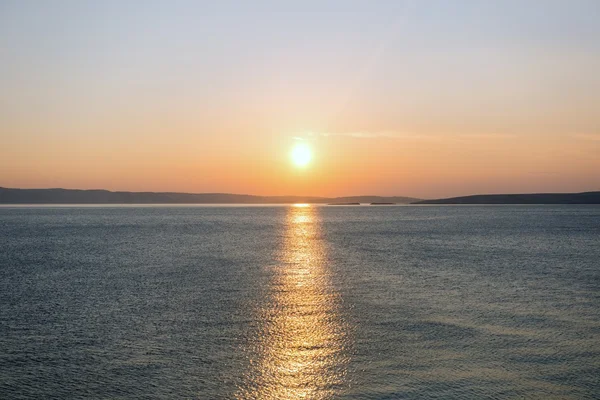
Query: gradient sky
column 415, row 98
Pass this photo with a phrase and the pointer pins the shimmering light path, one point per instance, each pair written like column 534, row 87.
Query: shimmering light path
column 301, row 350
column 493, row 302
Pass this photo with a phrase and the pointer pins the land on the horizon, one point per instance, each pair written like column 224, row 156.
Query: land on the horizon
column 530, row 198
column 99, row 196
column 75, row 196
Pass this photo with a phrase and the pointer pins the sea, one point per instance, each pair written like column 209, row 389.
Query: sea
column 300, row 302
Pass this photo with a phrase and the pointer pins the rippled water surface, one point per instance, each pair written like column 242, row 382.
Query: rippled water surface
column 300, row 302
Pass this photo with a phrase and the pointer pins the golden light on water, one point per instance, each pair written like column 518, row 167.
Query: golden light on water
column 301, row 351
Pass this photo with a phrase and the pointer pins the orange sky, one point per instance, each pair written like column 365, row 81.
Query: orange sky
column 421, row 101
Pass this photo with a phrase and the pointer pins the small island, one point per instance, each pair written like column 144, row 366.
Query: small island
column 343, row 204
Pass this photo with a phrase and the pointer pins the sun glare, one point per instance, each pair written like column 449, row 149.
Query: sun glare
column 301, row 154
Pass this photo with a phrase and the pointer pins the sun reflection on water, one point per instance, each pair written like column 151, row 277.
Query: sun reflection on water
column 301, row 349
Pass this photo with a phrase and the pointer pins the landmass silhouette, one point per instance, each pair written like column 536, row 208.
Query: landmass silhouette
column 77, row 196
column 533, row 198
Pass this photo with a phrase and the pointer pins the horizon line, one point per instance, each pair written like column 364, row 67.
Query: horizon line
column 306, row 196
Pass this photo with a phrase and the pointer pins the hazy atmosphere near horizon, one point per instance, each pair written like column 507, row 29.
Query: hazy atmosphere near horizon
column 422, row 99
column 318, row 200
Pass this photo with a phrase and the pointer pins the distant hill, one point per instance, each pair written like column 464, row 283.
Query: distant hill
column 74, row 196
column 535, row 198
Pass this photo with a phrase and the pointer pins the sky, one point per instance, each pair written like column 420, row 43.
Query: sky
column 411, row 98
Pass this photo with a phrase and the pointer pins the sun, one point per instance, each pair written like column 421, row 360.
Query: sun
column 301, row 155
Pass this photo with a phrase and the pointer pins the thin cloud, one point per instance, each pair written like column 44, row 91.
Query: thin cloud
column 416, row 136
column 487, row 136
column 376, row 135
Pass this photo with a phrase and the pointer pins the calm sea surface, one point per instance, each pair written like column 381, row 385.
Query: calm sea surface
column 416, row 302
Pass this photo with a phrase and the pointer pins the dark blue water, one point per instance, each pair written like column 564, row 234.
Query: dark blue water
column 300, row 302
